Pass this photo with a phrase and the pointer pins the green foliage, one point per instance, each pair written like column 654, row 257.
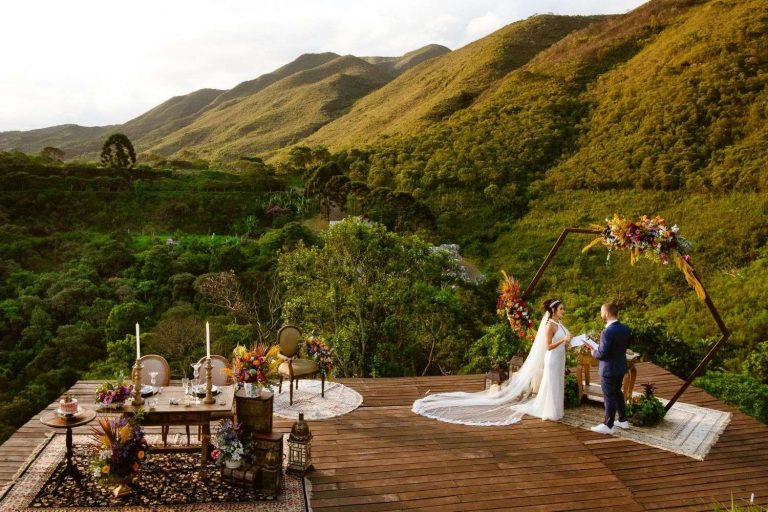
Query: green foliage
column 495, row 348
column 757, row 363
column 121, row 355
column 645, row 410
column 742, row 391
column 117, row 152
column 571, row 395
column 380, row 299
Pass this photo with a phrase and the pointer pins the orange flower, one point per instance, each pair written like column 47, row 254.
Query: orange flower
column 141, row 454
column 105, row 469
column 135, row 466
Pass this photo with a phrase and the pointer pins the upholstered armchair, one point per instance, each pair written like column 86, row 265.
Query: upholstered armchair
column 293, row 368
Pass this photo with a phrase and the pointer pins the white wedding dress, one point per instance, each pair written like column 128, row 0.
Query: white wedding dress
column 536, row 389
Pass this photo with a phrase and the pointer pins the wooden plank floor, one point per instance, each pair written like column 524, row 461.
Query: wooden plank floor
column 383, row 457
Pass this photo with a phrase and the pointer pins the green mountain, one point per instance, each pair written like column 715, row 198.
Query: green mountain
column 438, row 88
column 273, row 110
column 71, row 138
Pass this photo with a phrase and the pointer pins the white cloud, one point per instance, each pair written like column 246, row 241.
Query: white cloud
column 92, row 62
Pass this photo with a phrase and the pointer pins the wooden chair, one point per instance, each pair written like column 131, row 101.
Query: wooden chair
column 293, row 367
column 218, row 376
column 156, row 363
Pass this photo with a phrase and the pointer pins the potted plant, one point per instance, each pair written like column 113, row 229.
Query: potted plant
column 113, row 394
column 229, row 443
column 645, row 410
column 122, row 451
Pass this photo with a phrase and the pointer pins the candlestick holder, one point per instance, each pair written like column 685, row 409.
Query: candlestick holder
column 137, row 398
column 208, row 382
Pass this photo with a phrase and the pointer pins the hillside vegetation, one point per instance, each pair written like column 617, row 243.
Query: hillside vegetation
column 565, row 121
column 442, row 86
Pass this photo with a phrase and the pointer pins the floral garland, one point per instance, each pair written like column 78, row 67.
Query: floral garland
column 318, row 349
column 122, row 448
column 109, row 393
column 257, row 365
column 511, row 305
column 648, row 238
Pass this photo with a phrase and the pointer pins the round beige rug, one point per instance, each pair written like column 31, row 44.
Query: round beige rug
column 339, row 399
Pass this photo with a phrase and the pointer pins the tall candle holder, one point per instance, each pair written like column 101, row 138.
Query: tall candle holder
column 208, row 382
column 137, row 398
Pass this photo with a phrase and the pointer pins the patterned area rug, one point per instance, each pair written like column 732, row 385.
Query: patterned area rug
column 170, row 482
column 339, row 400
column 687, row 429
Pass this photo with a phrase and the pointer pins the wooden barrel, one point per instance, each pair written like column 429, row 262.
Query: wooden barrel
column 255, row 413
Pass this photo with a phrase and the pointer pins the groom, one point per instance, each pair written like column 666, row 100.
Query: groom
column 611, row 353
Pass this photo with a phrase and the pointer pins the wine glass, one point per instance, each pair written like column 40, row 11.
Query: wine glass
column 185, row 385
column 153, row 380
column 196, row 368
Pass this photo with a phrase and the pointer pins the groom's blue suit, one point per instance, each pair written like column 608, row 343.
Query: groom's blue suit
column 611, row 353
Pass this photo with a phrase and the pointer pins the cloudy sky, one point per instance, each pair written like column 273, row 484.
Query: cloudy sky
column 93, row 62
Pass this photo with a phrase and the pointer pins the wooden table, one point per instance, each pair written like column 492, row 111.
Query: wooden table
column 586, row 361
column 194, row 414
column 52, row 419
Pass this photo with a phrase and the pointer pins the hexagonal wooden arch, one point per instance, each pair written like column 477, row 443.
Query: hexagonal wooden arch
column 725, row 334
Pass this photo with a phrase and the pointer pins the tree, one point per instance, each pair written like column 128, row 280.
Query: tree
column 117, row 152
column 52, row 154
column 367, row 290
column 180, row 335
column 259, row 306
column 319, row 185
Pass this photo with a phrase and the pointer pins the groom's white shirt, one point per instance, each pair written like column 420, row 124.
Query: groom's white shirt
column 612, row 321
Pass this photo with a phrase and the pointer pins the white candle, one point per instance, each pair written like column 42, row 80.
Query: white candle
column 138, row 342
column 207, row 340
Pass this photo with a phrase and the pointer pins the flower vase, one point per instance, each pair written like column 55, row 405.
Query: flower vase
column 232, row 464
column 122, row 488
column 253, row 390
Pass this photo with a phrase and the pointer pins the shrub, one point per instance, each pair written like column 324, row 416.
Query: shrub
column 645, row 410
column 572, row 398
column 742, row 391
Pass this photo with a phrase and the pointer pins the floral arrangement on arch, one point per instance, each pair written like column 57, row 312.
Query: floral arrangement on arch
column 122, row 448
column 513, row 307
column 317, row 348
column 257, row 365
column 229, row 443
column 113, row 393
column 650, row 238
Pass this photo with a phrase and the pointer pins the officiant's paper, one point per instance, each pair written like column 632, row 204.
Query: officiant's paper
column 582, row 339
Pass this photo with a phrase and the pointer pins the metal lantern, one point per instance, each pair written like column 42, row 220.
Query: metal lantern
column 300, row 447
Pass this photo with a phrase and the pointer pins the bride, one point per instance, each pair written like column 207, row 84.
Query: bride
column 536, row 389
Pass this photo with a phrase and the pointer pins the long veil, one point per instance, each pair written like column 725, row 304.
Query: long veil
column 503, row 406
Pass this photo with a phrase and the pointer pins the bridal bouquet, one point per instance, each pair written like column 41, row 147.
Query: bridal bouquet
column 650, row 238
column 511, row 305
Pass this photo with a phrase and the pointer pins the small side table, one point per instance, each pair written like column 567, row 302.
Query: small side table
column 52, row 419
column 255, row 413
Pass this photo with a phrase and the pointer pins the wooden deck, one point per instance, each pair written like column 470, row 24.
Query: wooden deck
column 383, row 457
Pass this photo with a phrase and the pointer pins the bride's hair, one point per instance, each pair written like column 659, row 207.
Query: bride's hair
column 550, row 305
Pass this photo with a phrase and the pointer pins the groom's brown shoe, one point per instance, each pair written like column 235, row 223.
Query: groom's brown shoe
column 602, row 428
